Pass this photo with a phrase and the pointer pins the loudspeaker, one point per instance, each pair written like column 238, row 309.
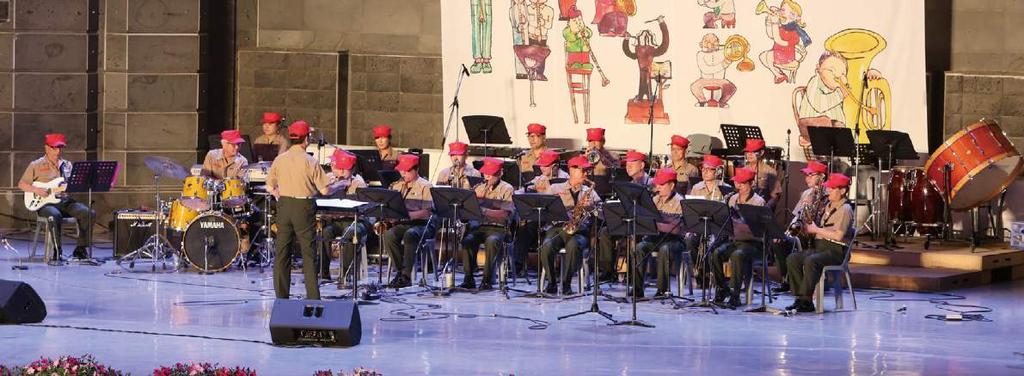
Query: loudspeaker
column 315, row 322
column 19, row 303
column 131, row 230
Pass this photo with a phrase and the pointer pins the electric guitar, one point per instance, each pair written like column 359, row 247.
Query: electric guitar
column 55, row 187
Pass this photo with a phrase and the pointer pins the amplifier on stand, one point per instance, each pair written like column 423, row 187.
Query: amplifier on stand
column 131, row 230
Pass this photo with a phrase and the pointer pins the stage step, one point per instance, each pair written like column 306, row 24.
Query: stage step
column 928, row 279
column 960, row 257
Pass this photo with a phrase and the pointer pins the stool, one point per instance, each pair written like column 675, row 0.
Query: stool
column 41, row 223
column 712, row 102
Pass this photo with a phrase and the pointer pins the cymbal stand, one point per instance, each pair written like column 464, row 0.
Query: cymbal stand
column 155, row 246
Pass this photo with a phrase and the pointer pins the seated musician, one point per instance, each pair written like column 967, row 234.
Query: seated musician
column 536, row 135
column 44, row 170
column 382, row 140
column 495, row 198
column 743, row 249
column 457, row 175
column 572, row 192
column 606, row 160
column 711, row 187
column 668, row 241
column 814, row 174
column 767, row 183
column 526, row 233
column 401, row 240
column 636, row 168
column 341, row 184
column 830, row 243
column 684, row 170
column 225, row 162
column 270, row 136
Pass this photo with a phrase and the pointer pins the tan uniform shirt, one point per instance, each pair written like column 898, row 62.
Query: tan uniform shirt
column 607, row 162
column 671, row 209
column 839, row 217
column 497, row 198
column 390, row 154
column 219, row 167
column 709, row 192
column 767, row 182
column 527, row 161
column 416, row 194
column 349, row 185
column 559, row 174
column 276, row 139
column 457, row 179
column 570, row 198
column 741, row 231
column 41, row 170
column 297, row 174
column 685, row 171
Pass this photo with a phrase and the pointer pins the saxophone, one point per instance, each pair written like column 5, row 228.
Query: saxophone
column 808, row 214
column 580, row 213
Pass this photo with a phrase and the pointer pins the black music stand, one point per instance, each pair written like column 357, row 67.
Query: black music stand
column 542, row 208
column 387, row 205
column 89, row 177
column 706, row 218
column 761, row 221
column 736, row 136
column 388, row 177
column 265, row 152
column 891, row 146
column 833, row 142
column 486, row 129
column 361, row 210
column 367, row 164
column 455, row 205
column 639, row 215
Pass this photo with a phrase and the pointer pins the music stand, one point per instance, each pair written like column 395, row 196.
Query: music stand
column 89, row 177
column 264, row 152
column 542, row 208
column 895, row 146
column 706, row 218
column 486, row 129
column 357, row 211
column 455, row 205
column 367, row 164
column 761, row 221
column 639, row 214
column 833, row 142
column 736, row 136
column 388, row 177
column 386, row 204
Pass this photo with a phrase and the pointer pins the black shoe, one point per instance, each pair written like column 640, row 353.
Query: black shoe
column 720, row 295
column 520, row 270
column 784, row 287
column 805, row 307
column 661, row 294
column 551, row 289
column 486, row 287
column 567, row 289
column 606, row 277
column 734, row 301
column 793, row 306
column 468, row 283
column 400, row 281
column 80, row 253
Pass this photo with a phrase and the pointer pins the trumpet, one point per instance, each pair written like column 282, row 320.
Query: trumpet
column 763, row 8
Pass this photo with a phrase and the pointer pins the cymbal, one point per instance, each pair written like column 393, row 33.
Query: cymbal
column 164, row 166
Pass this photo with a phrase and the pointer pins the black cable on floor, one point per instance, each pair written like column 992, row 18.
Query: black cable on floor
column 428, row 311
column 107, row 330
column 968, row 312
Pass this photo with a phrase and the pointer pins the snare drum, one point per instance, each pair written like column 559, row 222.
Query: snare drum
column 983, row 163
column 233, row 195
column 194, row 194
column 180, row 216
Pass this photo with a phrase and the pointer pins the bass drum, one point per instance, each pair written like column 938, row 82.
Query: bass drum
column 211, row 242
column 982, row 163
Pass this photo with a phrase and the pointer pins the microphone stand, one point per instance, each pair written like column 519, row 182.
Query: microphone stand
column 453, row 112
column 785, row 178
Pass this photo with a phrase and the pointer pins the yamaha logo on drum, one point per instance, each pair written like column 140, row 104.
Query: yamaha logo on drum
column 211, row 224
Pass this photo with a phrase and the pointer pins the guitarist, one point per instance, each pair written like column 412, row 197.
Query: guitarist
column 52, row 166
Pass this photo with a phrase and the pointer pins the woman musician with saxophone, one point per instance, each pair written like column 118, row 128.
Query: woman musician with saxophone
column 581, row 201
column 806, row 210
column 830, row 242
column 457, row 175
column 495, row 198
column 342, row 183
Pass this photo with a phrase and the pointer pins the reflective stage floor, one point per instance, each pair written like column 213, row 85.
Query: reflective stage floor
column 144, row 320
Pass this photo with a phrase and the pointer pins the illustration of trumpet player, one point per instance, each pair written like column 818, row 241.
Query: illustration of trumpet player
column 784, row 26
column 720, row 11
column 713, row 60
column 580, row 62
column 481, row 18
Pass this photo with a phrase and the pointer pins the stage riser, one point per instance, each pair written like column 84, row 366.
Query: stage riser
column 931, row 280
column 963, row 259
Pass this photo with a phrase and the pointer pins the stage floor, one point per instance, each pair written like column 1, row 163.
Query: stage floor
column 463, row 335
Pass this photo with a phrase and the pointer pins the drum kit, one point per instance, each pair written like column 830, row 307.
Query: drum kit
column 207, row 218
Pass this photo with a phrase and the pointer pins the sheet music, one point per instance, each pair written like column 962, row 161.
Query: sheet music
column 339, row 203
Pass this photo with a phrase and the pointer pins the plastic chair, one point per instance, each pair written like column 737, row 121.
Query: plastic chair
column 41, row 226
column 837, row 285
column 684, row 276
column 560, row 258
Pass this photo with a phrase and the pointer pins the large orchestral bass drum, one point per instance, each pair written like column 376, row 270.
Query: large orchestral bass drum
column 982, row 161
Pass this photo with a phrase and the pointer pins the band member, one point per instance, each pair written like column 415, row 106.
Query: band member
column 294, row 178
column 595, row 144
column 744, row 248
column 382, row 139
column 270, row 136
column 225, row 162
column 814, row 174
column 767, row 183
column 341, row 183
column 495, row 198
column 401, row 240
column 457, row 175
column 45, row 169
column 636, row 168
column 711, row 187
column 536, row 135
column 573, row 192
column 669, row 242
column 526, row 234
column 684, row 170
column 830, row 240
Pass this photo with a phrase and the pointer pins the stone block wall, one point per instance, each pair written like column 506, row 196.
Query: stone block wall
column 300, row 85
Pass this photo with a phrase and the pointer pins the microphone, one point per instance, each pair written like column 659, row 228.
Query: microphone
column 521, row 153
column 465, row 70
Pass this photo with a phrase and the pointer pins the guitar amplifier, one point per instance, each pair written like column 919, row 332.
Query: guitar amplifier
column 131, row 230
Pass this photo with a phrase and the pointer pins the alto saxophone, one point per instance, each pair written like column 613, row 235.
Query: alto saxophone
column 580, row 213
column 808, row 214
